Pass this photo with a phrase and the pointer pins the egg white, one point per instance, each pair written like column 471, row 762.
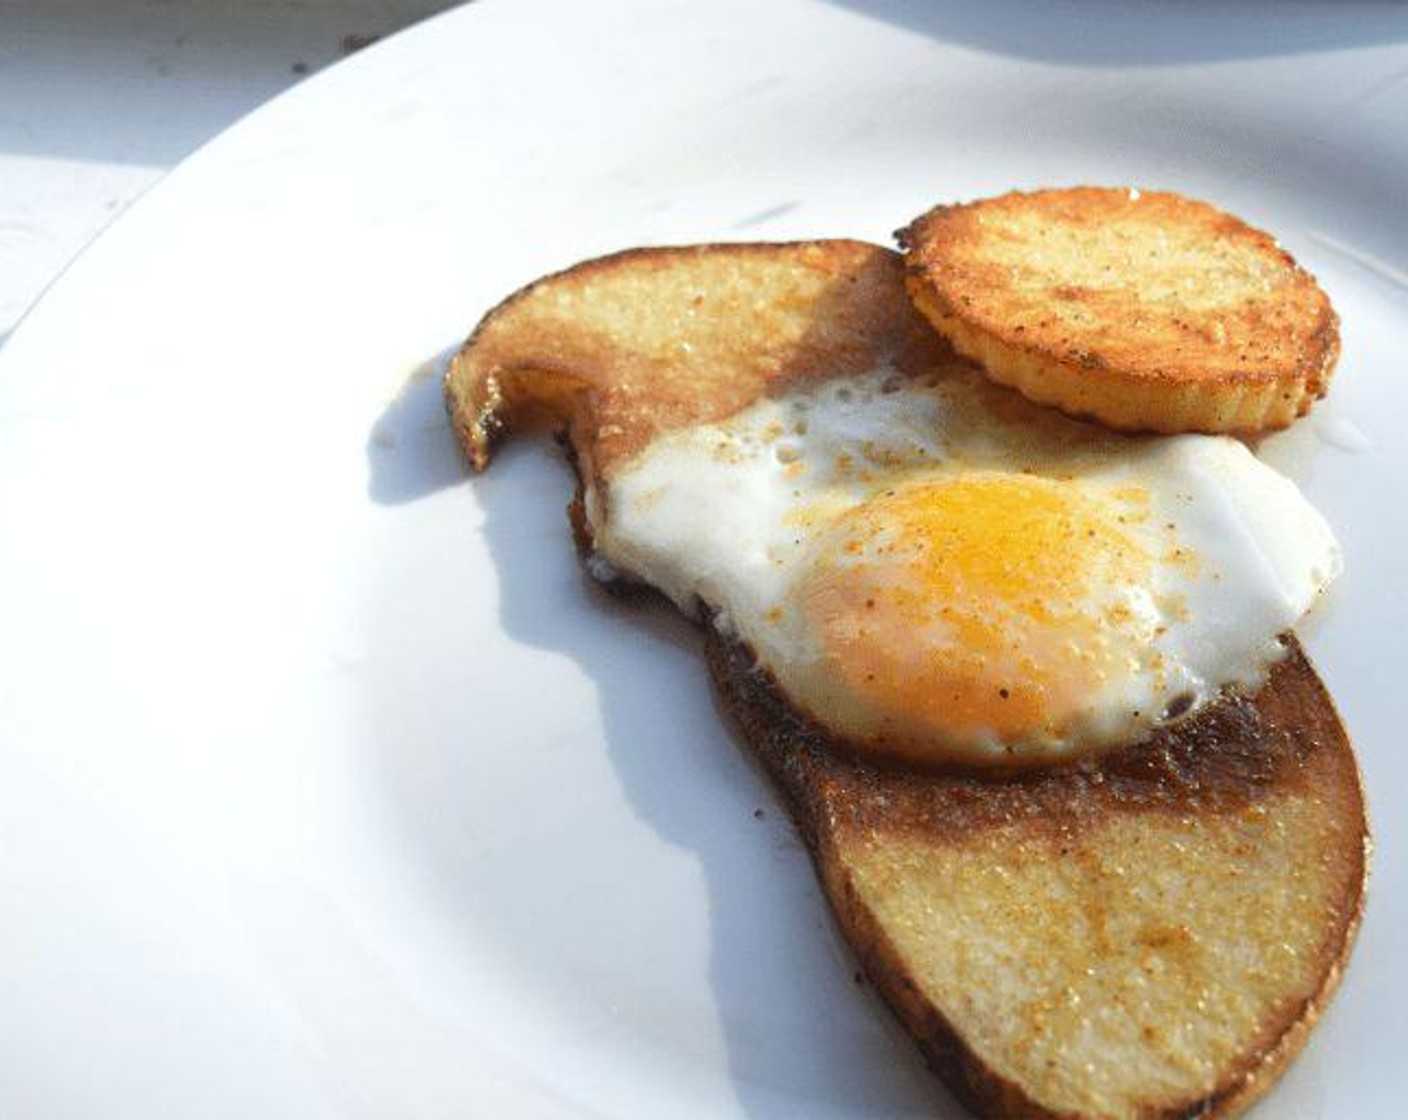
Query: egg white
column 734, row 515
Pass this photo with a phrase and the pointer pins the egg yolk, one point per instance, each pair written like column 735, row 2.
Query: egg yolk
column 988, row 608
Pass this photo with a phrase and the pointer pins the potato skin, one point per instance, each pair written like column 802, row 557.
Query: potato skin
column 1144, row 310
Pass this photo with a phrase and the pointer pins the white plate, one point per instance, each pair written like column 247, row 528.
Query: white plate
column 330, row 787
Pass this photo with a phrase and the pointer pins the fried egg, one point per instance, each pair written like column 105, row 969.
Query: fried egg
column 936, row 571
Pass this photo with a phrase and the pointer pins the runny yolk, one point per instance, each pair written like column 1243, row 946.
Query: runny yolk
column 987, row 606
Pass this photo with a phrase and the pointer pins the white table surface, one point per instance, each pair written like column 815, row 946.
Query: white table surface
column 99, row 98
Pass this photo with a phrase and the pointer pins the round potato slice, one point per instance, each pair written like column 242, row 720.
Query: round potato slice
column 1144, row 310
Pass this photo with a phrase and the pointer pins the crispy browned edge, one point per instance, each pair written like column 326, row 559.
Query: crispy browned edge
column 1087, row 385
column 799, row 761
column 1204, row 759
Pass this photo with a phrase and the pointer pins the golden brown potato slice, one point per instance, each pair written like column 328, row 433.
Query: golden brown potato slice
column 626, row 347
column 1146, row 311
column 1151, row 937
column 1146, row 937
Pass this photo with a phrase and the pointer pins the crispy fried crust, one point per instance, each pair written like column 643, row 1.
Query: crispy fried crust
column 1150, row 936
column 1146, row 311
column 1260, row 800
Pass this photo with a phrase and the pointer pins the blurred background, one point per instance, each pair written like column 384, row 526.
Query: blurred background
column 99, row 98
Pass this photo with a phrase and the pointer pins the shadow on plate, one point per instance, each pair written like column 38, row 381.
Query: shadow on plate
column 1117, row 33
column 785, row 1014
